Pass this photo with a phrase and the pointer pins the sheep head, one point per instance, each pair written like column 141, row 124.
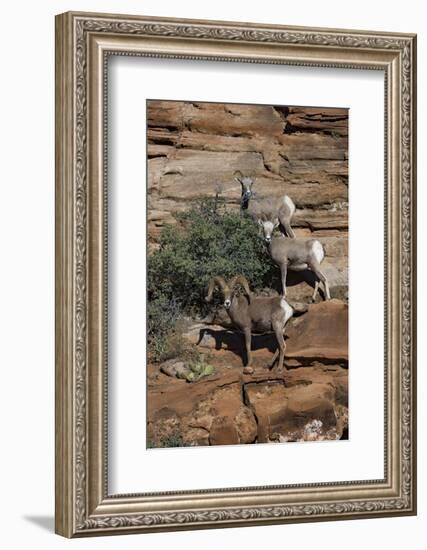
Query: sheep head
column 228, row 289
column 246, row 182
column 268, row 222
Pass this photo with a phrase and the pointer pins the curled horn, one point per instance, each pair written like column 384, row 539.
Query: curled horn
column 240, row 279
column 215, row 281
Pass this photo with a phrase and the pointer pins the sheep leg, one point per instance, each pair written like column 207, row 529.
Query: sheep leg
column 288, row 229
column 278, row 330
column 316, row 288
column 276, row 353
column 284, row 271
column 315, row 266
column 248, row 338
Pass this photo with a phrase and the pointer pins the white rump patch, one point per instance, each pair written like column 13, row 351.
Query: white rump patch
column 289, row 203
column 318, row 251
column 287, row 309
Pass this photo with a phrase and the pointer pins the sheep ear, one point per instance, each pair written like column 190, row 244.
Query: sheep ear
column 276, row 223
column 238, row 176
column 260, row 221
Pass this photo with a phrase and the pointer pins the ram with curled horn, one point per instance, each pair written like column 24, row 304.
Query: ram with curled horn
column 250, row 313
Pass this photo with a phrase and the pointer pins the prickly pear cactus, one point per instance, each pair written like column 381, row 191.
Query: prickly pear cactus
column 199, row 369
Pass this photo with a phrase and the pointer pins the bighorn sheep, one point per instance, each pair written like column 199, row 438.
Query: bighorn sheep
column 253, row 314
column 295, row 254
column 282, row 207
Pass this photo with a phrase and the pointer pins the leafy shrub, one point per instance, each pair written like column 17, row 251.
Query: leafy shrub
column 208, row 240
column 165, row 334
column 167, row 346
column 173, row 440
column 162, row 312
column 164, row 340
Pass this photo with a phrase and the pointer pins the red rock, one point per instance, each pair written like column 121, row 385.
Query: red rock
column 318, row 118
column 269, row 403
column 322, row 332
column 246, row 425
column 223, row 432
column 195, row 148
column 304, row 403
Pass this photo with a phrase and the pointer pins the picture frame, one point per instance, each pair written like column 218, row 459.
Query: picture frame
column 84, row 42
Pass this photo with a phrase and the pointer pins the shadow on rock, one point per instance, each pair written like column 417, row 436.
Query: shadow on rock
column 233, row 340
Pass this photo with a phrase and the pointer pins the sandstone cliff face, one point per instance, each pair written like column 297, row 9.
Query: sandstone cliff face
column 195, row 148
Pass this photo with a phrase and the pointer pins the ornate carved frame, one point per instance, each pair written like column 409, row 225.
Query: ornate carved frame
column 83, row 505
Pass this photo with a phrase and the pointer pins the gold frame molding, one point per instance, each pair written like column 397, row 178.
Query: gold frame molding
column 83, row 43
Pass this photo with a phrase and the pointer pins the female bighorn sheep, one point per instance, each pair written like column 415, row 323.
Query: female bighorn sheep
column 253, row 314
column 282, row 207
column 295, row 254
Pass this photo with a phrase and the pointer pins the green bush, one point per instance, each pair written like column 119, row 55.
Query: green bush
column 173, row 440
column 167, row 345
column 166, row 326
column 208, row 240
column 164, row 340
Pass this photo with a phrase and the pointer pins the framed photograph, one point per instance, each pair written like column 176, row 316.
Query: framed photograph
column 235, row 274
